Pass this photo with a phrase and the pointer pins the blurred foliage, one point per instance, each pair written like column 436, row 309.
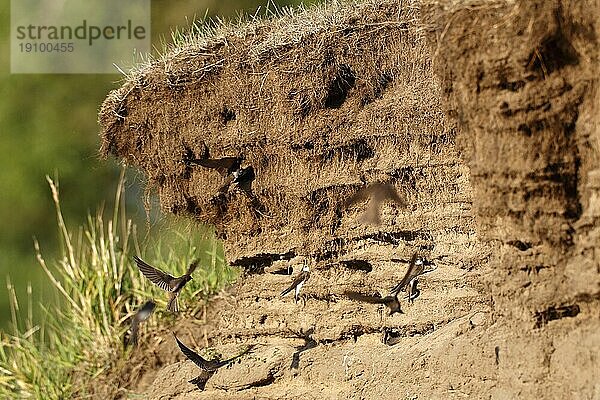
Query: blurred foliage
column 48, row 126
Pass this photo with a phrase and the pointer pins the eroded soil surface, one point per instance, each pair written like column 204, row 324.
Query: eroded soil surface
column 482, row 115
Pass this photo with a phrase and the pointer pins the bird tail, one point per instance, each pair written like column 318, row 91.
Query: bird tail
column 173, row 305
column 370, row 216
column 397, row 289
column 200, row 381
column 392, row 312
column 287, row 291
column 132, row 339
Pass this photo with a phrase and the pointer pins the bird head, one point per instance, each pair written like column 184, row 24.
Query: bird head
column 428, row 265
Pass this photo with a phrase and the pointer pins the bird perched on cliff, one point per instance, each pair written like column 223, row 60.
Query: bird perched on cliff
column 165, row 281
column 140, row 316
column 418, row 266
column 390, row 301
column 297, row 283
column 209, row 367
column 376, row 194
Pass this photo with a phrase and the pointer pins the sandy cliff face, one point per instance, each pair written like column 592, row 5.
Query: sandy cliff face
column 522, row 79
column 481, row 114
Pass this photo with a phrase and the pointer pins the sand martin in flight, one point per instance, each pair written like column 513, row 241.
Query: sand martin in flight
column 140, row 316
column 376, row 194
column 298, row 283
column 390, row 301
column 417, row 267
column 165, row 281
column 231, row 169
column 209, row 367
column 225, row 166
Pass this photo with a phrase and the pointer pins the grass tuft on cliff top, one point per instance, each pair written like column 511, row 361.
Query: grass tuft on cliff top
column 100, row 288
column 286, row 26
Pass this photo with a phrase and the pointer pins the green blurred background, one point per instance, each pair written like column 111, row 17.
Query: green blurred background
column 48, row 126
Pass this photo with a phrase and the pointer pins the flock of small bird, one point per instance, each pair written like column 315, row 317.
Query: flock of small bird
column 230, row 168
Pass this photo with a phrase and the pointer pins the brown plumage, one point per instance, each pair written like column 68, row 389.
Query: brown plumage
column 390, row 301
column 225, row 166
column 376, row 194
column 297, row 283
column 416, row 268
column 209, row 367
column 140, row 316
column 165, row 281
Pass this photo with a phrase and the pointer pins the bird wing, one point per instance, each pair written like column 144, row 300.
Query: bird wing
column 361, row 195
column 378, row 193
column 385, row 192
column 300, row 278
column 413, row 270
column 192, row 267
column 371, row 214
column 192, row 355
column 356, row 296
column 223, row 165
column 159, row 278
column 219, row 364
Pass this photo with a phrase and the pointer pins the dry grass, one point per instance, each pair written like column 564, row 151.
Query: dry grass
column 100, row 288
column 286, row 27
